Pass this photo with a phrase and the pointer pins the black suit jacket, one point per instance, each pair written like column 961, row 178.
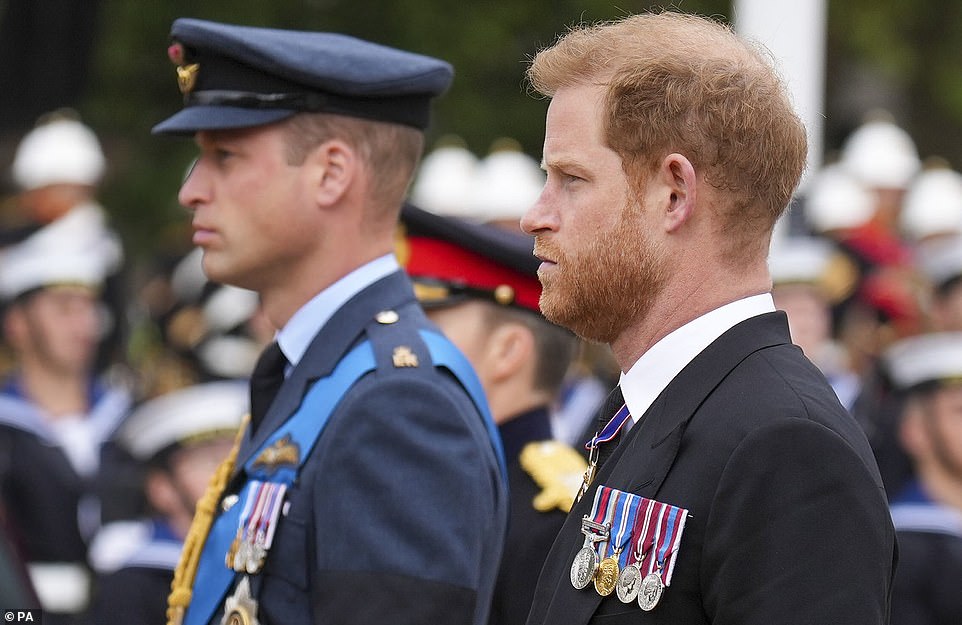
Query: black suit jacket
column 789, row 522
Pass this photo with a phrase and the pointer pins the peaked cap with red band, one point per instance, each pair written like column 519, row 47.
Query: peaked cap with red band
column 451, row 260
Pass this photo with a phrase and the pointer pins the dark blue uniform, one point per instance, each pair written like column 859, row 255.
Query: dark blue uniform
column 926, row 587
column 531, row 532
column 400, row 508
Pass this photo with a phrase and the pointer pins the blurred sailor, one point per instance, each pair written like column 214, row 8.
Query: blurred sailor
column 56, row 416
column 181, row 437
column 928, row 512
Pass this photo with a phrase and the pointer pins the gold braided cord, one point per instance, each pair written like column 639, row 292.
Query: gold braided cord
column 182, row 588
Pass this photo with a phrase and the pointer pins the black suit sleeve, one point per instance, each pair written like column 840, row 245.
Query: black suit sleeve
column 798, row 533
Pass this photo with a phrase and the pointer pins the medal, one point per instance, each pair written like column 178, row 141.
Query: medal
column 585, row 563
column 256, row 527
column 650, row 592
column 606, row 577
column 628, row 583
column 240, row 608
column 583, row 567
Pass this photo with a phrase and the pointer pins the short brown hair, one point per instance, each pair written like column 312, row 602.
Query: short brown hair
column 687, row 84
column 390, row 152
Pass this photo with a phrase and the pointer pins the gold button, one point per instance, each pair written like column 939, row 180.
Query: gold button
column 504, row 294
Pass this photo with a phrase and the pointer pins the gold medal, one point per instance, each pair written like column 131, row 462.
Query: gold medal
column 606, row 578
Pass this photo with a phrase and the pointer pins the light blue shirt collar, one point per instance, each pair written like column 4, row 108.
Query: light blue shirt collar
column 657, row 367
column 296, row 336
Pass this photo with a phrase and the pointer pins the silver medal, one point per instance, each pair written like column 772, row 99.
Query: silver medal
column 583, row 567
column 629, row 582
column 650, row 592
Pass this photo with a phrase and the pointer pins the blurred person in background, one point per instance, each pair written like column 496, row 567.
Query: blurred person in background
column 57, row 168
column 479, row 284
column 927, row 371
column 180, row 438
column 808, row 277
column 497, row 190
column 57, row 416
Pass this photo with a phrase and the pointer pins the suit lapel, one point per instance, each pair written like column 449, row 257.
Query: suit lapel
column 342, row 331
column 640, row 463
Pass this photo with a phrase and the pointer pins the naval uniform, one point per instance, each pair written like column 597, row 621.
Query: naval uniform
column 786, row 517
column 132, row 588
column 399, row 509
column 926, row 589
column 51, row 504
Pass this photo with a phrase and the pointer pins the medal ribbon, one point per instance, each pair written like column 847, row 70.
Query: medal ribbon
column 611, row 428
column 642, row 534
column 666, row 540
column 624, row 520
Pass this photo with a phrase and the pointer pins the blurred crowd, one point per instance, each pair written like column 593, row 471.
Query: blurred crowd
column 118, row 398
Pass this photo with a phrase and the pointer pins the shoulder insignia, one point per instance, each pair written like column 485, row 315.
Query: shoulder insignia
column 404, row 357
column 557, row 468
column 283, row 452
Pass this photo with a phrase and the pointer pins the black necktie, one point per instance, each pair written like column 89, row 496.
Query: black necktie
column 612, row 405
column 265, row 381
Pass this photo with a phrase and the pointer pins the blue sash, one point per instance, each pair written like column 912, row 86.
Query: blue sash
column 213, row 578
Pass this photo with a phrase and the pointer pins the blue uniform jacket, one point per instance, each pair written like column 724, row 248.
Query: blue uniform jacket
column 399, row 511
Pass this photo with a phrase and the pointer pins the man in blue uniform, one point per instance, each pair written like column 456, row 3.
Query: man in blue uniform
column 927, row 512
column 478, row 283
column 371, row 483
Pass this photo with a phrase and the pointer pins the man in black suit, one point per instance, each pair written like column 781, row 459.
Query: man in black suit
column 671, row 148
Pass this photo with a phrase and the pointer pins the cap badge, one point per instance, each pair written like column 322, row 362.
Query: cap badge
column 187, row 77
column 404, row 357
column 282, row 452
column 186, row 73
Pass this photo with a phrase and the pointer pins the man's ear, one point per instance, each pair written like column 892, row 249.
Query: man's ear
column 332, row 167
column 509, row 347
column 677, row 174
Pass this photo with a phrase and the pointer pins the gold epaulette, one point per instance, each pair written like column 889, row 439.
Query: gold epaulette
column 557, row 468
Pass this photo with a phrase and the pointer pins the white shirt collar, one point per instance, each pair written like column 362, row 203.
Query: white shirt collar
column 658, row 366
column 296, row 336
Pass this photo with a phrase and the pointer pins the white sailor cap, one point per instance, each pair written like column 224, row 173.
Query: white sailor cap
column 941, row 259
column 192, row 414
column 812, row 261
column 38, row 263
column 836, row 200
column 933, row 204
column 506, row 184
column 880, row 154
column 925, row 360
column 61, row 151
column 444, row 180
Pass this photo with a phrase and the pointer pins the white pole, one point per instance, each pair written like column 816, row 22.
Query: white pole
column 795, row 33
